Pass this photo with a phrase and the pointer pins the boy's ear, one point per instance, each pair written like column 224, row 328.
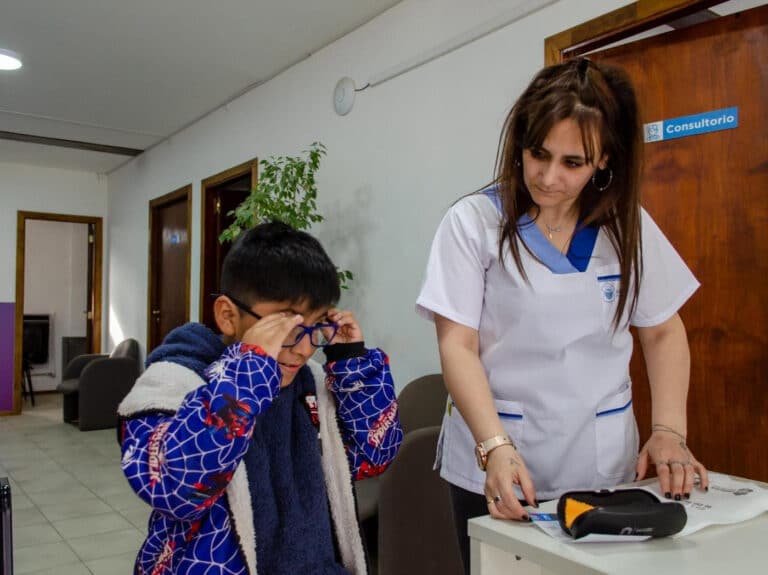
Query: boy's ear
column 227, row 315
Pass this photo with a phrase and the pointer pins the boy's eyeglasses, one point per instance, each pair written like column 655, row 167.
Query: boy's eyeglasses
column 320, row 334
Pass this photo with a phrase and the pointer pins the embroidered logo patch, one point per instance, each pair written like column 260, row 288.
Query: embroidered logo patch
column 156, row 452
column 609, row 287
column 310, row 402
column 382, row 425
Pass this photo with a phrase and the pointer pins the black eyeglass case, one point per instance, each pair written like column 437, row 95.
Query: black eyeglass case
column 620, row 512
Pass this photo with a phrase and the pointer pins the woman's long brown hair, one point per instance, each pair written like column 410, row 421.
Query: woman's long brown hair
column 602, row 101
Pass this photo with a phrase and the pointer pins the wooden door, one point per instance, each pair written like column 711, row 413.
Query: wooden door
column 709, row 194
column 169, row 258
column 222, row 193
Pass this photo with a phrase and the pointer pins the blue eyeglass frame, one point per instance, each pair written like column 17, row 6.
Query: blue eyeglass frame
column 306, row 330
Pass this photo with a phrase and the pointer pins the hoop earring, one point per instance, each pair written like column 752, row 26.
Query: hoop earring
column 607, row 184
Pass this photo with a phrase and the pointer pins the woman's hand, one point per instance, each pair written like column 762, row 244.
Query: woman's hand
column 505, row 468
column 270, row 332
column 349, row 330
column 676, row 466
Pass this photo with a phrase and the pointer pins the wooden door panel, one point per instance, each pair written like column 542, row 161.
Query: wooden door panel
column 169, row 265
column 709, row 194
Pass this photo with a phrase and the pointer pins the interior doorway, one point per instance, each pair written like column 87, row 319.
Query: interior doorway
column 221, row 194
column 707, row 193
column 63, row 251
column 169, row 261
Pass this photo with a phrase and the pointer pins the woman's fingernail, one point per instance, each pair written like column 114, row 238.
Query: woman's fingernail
column 526, row 518
column 706, row 488
column 536, row 503
column 668, row 495
column 687, row 495
column 677, row 497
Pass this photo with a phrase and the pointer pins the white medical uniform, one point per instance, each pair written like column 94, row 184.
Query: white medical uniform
column 558, row 372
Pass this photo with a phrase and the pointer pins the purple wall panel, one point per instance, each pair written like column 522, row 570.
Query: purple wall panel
column 7, row 323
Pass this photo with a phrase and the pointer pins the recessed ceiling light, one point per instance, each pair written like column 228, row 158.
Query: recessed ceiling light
column 9, row 60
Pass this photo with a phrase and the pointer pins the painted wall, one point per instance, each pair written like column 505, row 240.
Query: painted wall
column 35, row 189
column 406, row 151
column 56, row 255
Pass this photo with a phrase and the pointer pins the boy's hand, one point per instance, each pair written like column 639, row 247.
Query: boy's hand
column 349, row 330
column 271, row 331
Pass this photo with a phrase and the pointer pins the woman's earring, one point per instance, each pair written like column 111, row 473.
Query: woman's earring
column 607, row 184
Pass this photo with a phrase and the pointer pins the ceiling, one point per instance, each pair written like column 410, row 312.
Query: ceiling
column 131, row 73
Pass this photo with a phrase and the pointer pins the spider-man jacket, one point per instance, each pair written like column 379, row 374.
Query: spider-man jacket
column 183, row 439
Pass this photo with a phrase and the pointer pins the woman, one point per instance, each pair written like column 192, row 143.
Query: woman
column 532, row 284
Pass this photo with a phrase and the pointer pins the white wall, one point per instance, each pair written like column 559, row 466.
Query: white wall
column 408, row 148
column 36, row 189
column 55, row 283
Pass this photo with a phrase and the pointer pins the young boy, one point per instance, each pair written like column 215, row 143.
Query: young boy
column 244, row 447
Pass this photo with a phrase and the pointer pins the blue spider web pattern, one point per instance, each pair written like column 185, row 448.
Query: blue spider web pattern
column 182, row 464
column 367, row 409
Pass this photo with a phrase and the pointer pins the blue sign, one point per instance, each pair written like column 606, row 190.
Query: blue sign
column 713, row 121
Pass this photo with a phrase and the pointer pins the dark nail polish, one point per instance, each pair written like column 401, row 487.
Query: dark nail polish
column 526, row 518
column 635, row 479
column 668, row 495
column 536, row 503
column 677, row 497
column 687, row 495
column 706, row 488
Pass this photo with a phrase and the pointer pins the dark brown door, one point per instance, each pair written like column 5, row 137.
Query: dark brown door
column 221, row 193
column 709, row 194
column 89, row 288
column 169, row 256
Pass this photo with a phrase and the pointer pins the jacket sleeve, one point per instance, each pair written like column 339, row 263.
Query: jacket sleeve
column 367, row 411
column 180, row 463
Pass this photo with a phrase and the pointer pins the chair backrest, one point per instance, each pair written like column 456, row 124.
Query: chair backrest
column 421, row 403
column 126, row 348
column 416, row 529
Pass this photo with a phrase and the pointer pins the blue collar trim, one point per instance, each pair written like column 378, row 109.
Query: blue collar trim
column 579, row 252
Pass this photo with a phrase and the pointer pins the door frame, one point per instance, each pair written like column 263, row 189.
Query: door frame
column 185, row 192
column 618, row 25
column 94, row 295
column 249, row 167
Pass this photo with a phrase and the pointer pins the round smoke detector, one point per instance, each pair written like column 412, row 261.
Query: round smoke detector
column 344, row 96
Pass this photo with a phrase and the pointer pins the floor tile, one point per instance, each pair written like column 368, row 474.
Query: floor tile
column 113, row 565
column 138, row 517
column 73, row 569
column 28, row 516
column 31, row 559
column 73, row 492
column 33, row 535
column 107, row 544
column 72, row 509
column 82, row 526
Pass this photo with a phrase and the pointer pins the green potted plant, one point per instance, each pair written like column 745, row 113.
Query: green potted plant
column 286, row 190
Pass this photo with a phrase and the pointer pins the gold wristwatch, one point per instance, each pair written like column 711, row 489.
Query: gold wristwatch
column 483, row 448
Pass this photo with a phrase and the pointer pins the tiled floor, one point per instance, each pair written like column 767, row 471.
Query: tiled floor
column 73, row 512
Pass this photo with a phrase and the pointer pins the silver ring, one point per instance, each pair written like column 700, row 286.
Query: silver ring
column 496, row 498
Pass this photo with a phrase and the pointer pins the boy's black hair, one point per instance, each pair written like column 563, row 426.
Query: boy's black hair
column 274, row 262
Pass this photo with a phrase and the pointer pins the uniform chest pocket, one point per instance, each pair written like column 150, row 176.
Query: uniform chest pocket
column 608, row 282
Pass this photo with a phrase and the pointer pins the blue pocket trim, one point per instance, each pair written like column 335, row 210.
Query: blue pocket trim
column 609, row 278
column 614, row 410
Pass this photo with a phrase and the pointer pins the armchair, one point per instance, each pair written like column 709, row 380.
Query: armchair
column 94, row 384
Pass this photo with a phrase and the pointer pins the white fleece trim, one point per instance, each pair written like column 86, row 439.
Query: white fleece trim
column 242, row 515
column 338, row 479
column 162, row 386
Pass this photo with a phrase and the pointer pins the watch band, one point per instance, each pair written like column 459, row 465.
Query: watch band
column 483, row 448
